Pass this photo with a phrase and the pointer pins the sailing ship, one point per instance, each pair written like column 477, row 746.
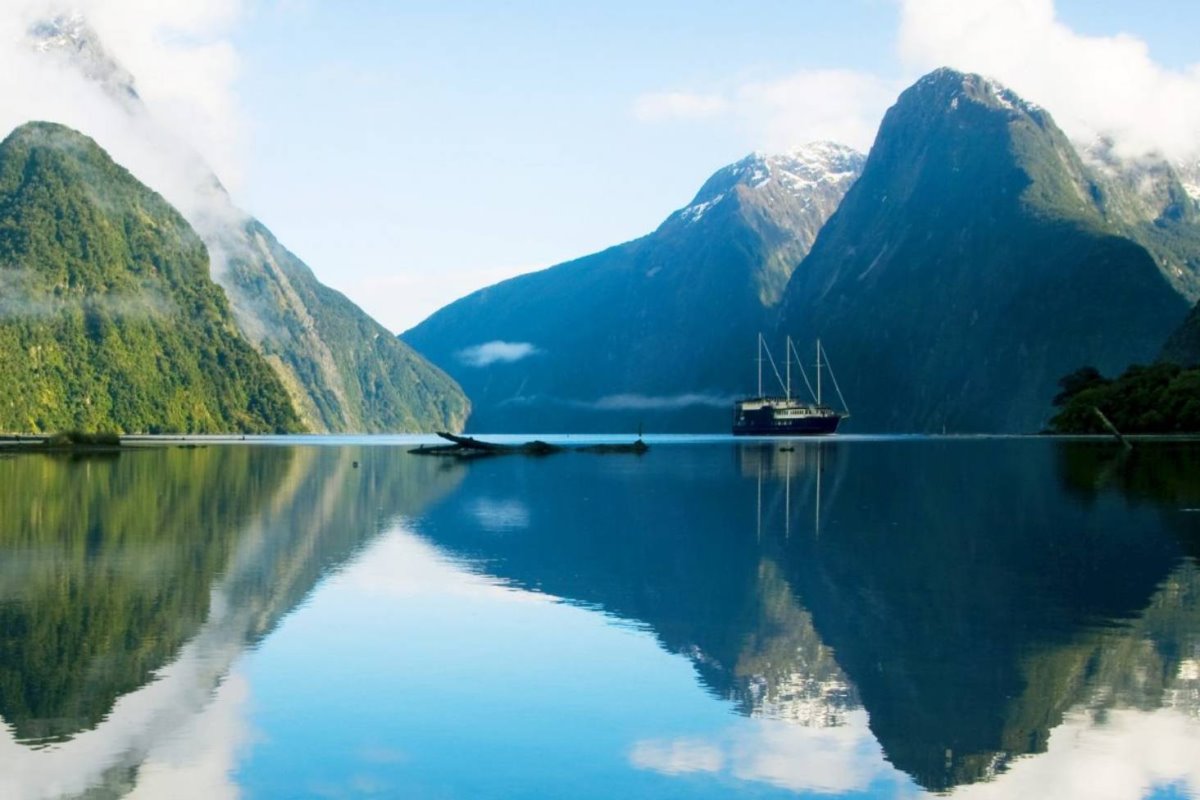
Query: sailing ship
column 775, row 415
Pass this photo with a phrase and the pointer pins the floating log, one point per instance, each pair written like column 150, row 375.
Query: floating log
column 637, row 448
column 470, row 447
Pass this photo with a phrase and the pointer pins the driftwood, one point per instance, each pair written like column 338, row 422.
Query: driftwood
column 1112, row 428
column 469, row 447
column 637, row 448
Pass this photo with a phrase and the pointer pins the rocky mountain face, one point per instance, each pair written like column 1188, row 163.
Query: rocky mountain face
column 343, row 371
column 1183, row 345
column 976, row 261
column 1153, row 202
column 108, row 318
column 659, row 331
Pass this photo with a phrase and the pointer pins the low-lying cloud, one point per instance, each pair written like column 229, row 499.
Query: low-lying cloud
column 22, row 299
column 641, row 402
column 496, row 352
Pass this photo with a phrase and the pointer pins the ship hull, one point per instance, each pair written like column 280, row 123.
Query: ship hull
column 764, row 422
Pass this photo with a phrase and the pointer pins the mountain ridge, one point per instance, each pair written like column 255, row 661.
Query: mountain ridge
column 674, row 311
column 971, row 266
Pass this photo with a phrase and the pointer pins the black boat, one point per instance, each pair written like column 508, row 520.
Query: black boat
column 766, row 415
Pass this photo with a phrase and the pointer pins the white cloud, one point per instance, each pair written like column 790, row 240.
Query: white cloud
column 800, row 758
column 1093, row 85
column 184, row 66
column 1126, row 755
column 655, row 106
column 677, row 756
column 839, row 105
column 482, row 355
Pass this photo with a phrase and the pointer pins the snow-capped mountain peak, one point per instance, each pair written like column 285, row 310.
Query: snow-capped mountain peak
column 68, row 37
column 814, row 168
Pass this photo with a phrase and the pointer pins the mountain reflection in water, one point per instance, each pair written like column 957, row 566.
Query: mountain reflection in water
column 130, row 584
column 1002, row 618
column 952, row 589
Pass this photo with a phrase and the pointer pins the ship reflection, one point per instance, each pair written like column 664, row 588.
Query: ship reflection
column 801, row 464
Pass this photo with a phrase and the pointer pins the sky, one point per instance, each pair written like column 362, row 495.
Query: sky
column 412, row 152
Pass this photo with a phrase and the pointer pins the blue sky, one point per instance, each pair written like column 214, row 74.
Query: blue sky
column 413, row 152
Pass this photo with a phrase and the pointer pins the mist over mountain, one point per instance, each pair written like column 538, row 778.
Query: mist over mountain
column 1157, row 204
column 108, row 317
column 977, row 260
column 343, row 371
column 659, row 331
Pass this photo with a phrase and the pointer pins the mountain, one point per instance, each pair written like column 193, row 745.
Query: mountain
column 343, row 371
column 971, row 266
column 132, row 583
column 659, row 330
column 1153, row 202
column 1183, row 345
column 108, row 319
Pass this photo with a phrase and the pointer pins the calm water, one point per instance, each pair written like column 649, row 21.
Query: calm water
column 854, row 618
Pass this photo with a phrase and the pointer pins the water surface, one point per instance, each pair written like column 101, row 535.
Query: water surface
column 853, row 617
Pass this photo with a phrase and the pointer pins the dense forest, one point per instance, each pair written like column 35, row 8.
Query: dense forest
column 108, row 317
column 1162, row 398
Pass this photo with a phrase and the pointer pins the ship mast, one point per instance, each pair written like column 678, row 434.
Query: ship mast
column 788, row 358
column 818, row 372
column 760, row 348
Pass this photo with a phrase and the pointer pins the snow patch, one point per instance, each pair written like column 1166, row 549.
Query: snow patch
column 697, row 210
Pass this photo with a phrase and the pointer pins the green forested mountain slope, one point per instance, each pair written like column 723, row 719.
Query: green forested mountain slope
column 971, row 266
column 659, row 331
column 108, row 318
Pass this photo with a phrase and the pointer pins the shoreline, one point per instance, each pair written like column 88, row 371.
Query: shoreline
column 41, row 443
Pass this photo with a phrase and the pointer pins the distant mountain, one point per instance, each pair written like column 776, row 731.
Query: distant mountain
column 975, row 262
column 344, row 371
column 660, row 330
column 1183, row 345
column 1153, row 202
column 108, row 318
